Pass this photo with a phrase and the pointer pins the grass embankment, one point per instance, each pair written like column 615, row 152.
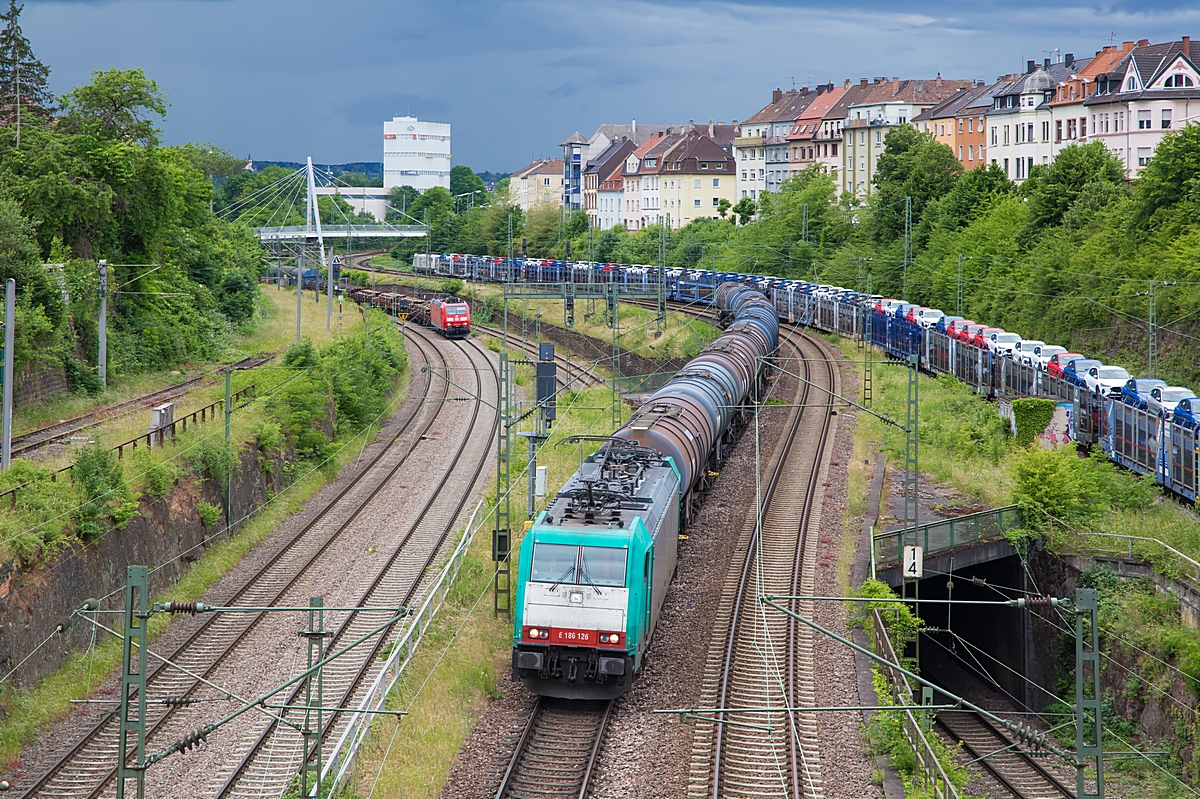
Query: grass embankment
column 292, row 397
column 964, row 444
column 274, row 330
column 466, row 653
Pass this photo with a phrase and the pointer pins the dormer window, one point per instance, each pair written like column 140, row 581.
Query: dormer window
column 1131, row 85
column 1179, row 82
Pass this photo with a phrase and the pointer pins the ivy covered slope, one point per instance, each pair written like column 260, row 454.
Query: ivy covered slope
column 85, row 177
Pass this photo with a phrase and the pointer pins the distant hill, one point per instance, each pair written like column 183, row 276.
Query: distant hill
column 372, row 169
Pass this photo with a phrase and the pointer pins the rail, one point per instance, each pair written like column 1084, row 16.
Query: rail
column 928, row 764
column 946, row 533
column 345, row 752
column 157, row 434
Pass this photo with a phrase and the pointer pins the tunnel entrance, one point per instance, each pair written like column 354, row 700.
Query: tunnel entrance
column 989, row 644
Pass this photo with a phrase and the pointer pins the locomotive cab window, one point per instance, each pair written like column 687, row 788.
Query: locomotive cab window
column 554, row 563
column 457, row 309
column 603, row 566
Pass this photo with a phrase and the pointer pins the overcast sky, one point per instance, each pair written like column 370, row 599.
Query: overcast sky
column 283, row 80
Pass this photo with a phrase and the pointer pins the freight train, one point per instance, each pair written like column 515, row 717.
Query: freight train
column 450, row 316
column 594, row 567
column 1160, row 439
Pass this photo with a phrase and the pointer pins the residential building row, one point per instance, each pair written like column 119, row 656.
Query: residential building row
column 1127, row 97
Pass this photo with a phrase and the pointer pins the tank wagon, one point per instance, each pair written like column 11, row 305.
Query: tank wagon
column 594, row 567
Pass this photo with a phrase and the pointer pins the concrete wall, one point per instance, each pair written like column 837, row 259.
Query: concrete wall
column 166, row 531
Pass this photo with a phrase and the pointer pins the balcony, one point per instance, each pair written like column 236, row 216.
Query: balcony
column 748, row 141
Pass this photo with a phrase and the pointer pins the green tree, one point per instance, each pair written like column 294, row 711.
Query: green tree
column 1173, row 175
column 400, row 201
column 213, row 162
column 1052, row 189
column 494, row 228
column 463, row 181
column 23, row 78
column 118, row 104
column 723, row 207
column 913, row 165
column 744, row 211
column 971, row 196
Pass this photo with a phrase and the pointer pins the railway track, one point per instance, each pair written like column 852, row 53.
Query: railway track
column 557, row 751
column 87, row 767
column 43, row 436
column 276, row 754
column 761, row 658
column 1017, row 772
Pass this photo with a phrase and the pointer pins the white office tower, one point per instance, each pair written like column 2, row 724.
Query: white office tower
column 416, row 153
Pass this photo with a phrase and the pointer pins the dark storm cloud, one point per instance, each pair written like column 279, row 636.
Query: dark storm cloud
column 283, row 80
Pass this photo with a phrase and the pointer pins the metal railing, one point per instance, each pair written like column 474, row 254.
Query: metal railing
column 1187, row 568
column 928, row 764
column 158, row 434
column 341, row 760
column 947, row 533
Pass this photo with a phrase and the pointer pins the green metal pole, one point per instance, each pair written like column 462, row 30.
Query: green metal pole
column 133, row 683
column 228, row 443
column 1089, row 746
column 501, row 538
column 314, row 694
column 912, row 497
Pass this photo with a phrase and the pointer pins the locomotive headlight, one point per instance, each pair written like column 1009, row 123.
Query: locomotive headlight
column 575, row 598
column 534, row 632
column 614, row 638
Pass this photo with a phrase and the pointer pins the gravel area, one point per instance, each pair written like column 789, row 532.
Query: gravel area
column 262, row 664
column 848, row 772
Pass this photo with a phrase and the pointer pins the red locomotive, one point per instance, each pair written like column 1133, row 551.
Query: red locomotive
column 451, row 316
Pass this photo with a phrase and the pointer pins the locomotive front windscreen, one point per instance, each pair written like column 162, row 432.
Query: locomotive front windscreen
column 574, row 565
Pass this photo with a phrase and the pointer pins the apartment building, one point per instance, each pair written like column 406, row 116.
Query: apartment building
column 748, row 149
column 889, row 105
column 537, row 183
column 1070, row 117
column 600, row 170
column 947, row 123
column 827, row 143
column 1020, row 121
column 1153, row 89
column 802, row 138
column 696, row 174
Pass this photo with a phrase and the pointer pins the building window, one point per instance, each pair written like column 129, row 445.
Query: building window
column 878, row 136
column 1179, row 82
column 1046, row 131
column 716, row 183
column 960, row 126
column 1020, row 168
column 970, row 124
column 993, row 135
column 716, row 202
column 1083, row 127
column 1006, row 134
column 1029, row 132
column 862, row 162
column 1143, row 120
column 834, row 150
column 970, row 152
column 1166, row 118
column 743, row 174
column 960, row 152
column 1006, row 167
column 862, row 137
column 1058, row 130
column 1131, row 85
column 696, row 182
column 1143, row 155
column 696, row 202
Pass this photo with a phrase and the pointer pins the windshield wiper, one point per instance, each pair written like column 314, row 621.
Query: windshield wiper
column 565, row 575
column 584, row 574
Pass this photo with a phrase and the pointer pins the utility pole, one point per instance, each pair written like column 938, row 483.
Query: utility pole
column 314, row 695
column 133, row 683
column 501, row 536
column 869, row 352
column 804, row 224
column 229, row 476
column 907, row 244
column 912, row 498
column 102, row 360
column 958, row 306
column 661, row 319
column 17, row 67
column 1089, row 745
column 616, row 355
column 10, row 323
